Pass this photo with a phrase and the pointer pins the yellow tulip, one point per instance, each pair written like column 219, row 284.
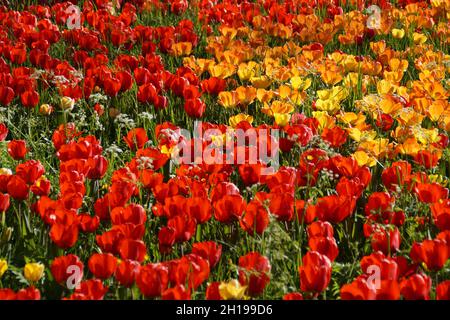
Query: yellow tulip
column 398, row 33
column 235, row 120
column 364, row 159
column 228, row 99
column 232, row 290
column 33, row 272
column 3, row 267
column 282, row 119
column 181, row 49
column 419, row 38
column 67, row 103
column 45, row 109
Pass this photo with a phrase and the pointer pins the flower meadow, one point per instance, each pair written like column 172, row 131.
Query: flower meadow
column 225, row 149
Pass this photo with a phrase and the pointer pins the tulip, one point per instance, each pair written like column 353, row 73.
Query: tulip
column 315, row 272
column 3, row 131
column 67, row 103
column 33, row 272
column 398, row 33
column 45, row 109
column 232, row 290
column 4, row 202
column 254, row 272
column 3, row 267
column 17, row 149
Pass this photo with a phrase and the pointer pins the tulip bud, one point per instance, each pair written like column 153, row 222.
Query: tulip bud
column 113, row 112
column 3, row 267
column 67, row 103
column 33, row 272
column 6, row 236
column 45, row 109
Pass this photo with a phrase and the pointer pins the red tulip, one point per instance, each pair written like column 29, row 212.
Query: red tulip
column 97, row 167
column 427, row 159
column 254, row 272
column 92, row 289
column 132, row 249
column 416, row 287
column 29, row 98
column 293, row 296
column 17, row 149
column 6, row 95
column 191, row 269
column 133, row 213
column 88, row 223
column 255, row 219
column 324, row 245
column 152, row 280
column 7, row 294
column 199, row 209
column 3, row 131
column 64, row 236
column 430, row 192
column 194, row 108
column 60, row 267
column 212, row 291
column 127, row 272
column 358, row 290
column 41, row 187
column 30, row 293
column 389, row 290
column 4, row 202
column 136, row 138
column 334, row 208
column 315, row 272
column 178, row 292
column 102, row 265
column 30, row 171
column 434, row 253
column 443, row 290
column 441, row 214
column 386, row 240
column 208, row 250
column 166, row 238
column 213, row 85
column 320, row 229
column 336, row 136
column 17, row 188
column 229, row 208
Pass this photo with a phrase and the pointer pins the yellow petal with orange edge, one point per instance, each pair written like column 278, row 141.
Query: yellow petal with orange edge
column 364, row 159
column 264, row 95
column 235, row 120
column 282, row 119
column 325, row 120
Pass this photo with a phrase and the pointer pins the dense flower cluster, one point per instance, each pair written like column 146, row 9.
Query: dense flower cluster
column 354, row 102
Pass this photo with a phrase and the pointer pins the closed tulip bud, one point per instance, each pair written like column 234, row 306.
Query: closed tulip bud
column 45, row 109
column 6, row 236
column 3, row 267
column 398, row 33
column 33, row 272
column 67, row 103
column 113, row 112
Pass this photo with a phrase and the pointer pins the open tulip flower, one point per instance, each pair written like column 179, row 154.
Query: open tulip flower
column 225, row 150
